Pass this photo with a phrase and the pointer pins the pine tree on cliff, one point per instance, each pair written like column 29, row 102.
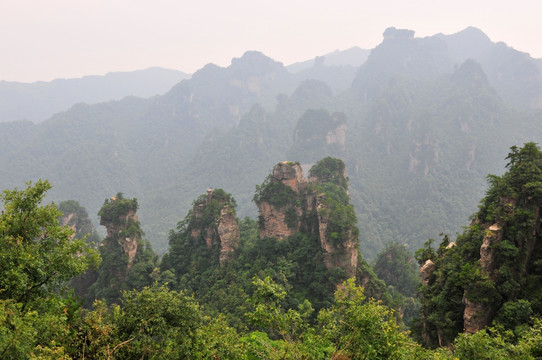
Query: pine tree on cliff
column 492, row 274
column 206, row 239
column 128, row 260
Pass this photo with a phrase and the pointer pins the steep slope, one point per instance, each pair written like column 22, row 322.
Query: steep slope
column 355, row 57
column 418, row 144
column 491, row 275
column 305, row 239
column 337, row 69
column 139, row 145
column 127, row 259
column 514, row 74
column 437, row 138
column 288, row 203
column 402, row 53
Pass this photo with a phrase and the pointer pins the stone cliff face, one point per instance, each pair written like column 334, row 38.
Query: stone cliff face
column 120, row 229
column 279, row 220
column 289, row 203
column 119, row 217
column 427, row 270
column 343, row 256
column 219, row 227
column 477, row 316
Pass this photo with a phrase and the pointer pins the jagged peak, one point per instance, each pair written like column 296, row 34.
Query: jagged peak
column 472, row 33
column 255, row 63
column 392, row 33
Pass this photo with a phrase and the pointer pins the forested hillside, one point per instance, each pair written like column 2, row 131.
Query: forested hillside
column 492, row 274
column 279, row 287
column 419, row 126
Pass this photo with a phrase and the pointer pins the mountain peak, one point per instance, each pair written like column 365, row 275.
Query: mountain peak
column 473, row 33
column 471, row 72
column 392, row 33
column 254, row 63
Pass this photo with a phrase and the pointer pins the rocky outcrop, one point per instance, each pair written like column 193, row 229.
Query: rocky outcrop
column 119, row 217
column 280, row 219
column 477, row 316
column 487, row 250
column 291, row 175
column 214, row 219
column 228, row 233
column 343, row 255
column 289, row 203
column 427, row 270
column 273, row 222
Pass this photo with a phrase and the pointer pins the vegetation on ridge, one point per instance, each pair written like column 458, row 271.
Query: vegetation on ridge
column 271, row 300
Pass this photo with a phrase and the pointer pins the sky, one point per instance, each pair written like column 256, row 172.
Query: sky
column 45, row 40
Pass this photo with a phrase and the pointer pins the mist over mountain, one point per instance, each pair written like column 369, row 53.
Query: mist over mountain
column 355, row 56
column 419, row 125
column 38, row 101
column 337, row 69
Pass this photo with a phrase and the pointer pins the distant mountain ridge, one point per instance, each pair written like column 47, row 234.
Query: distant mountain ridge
column 354, row 56
column 417, row 145
column 38, row 101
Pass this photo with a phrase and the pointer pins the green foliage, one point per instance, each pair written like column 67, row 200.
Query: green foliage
column 37, row 259
column 275, row 193
column 494, row 344
column 364, row 328
column 290, row 217
column 81, row 221
column 339, row 212
column 156, row 322
column 128, row 260
column 159, row 323
column 330, row 170
column 513, row 314
column 37, row 256
column 397, row 268
column 115, row 208
column 211, row 208
column 505, row 282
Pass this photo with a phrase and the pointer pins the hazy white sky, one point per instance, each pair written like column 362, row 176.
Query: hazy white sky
column 43, row 40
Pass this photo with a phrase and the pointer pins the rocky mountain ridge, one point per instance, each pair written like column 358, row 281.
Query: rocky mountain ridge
column 288, row 202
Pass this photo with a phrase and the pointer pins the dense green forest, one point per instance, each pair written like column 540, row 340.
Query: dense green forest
column 419, row 123
column 228, row 288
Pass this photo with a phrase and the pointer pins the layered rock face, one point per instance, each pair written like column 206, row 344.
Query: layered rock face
column 282, row 219
column 215, row 220
column 477, row 316
column 427, row 270
column 289, row 203
column 120, row 219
